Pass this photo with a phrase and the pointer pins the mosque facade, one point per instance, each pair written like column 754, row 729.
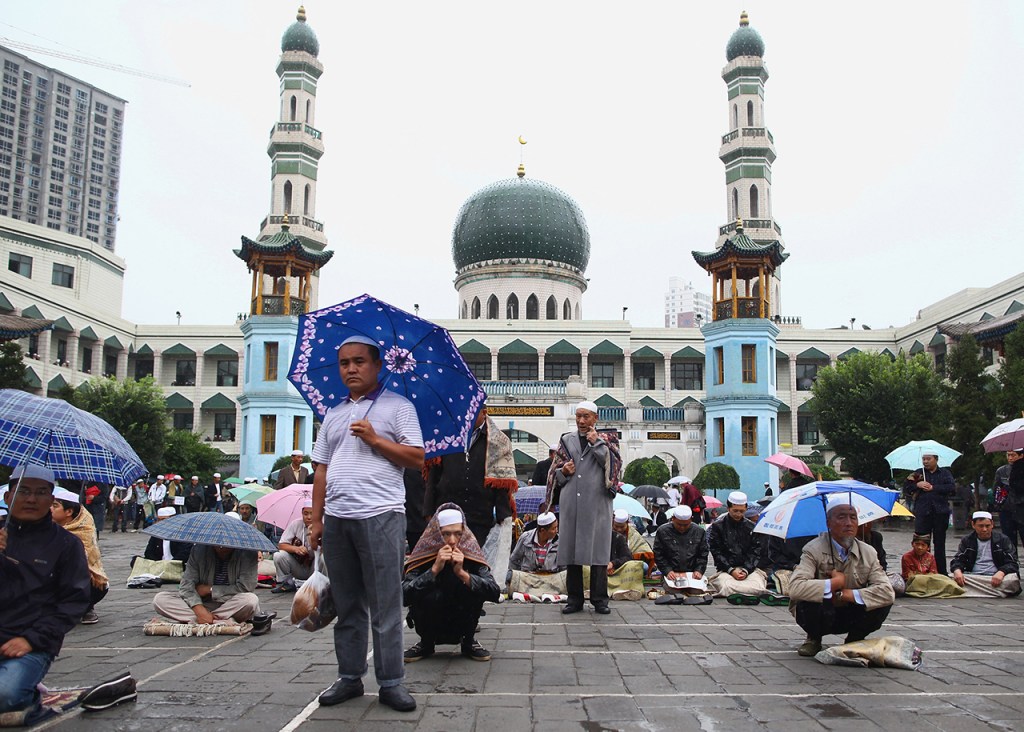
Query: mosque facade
column 520, row 248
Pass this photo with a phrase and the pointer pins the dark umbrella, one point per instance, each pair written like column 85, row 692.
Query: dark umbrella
column 421, row 362
column 649, row 491
column 213, row 529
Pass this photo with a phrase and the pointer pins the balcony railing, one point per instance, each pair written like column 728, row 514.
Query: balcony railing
column 747, row 132
column 751, row 224
column 747, row 307
column 611, row 414
column 664, row 414
column 524, row 388
column 296, row 127
column 274, row 305
column 303, row 220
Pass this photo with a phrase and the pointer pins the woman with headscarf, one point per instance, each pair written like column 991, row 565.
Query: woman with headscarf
column 446, row 583
column 67, row 512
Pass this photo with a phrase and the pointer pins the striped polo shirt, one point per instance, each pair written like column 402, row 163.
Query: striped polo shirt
column 360, row 482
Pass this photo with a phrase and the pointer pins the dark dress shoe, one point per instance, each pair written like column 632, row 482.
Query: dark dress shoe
column 570, row 609
column 341, row 691
column 397, row 697
column 602, row 609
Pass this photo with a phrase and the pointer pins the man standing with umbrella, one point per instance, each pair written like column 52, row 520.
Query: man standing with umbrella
column 585, row 470
column 358, row 509
column 932, row 488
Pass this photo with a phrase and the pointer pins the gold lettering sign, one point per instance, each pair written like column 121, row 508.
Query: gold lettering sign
column 663, row 436
column 520, row 411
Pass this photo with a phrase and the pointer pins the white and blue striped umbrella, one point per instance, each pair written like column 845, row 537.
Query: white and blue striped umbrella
column 213, row 529
column 801, row 511
column 72, row 443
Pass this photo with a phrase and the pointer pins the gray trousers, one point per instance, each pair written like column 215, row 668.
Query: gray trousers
column 364, row 561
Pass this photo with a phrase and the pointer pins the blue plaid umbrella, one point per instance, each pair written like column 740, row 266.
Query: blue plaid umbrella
column 421, row 362
column 213, row 529
column 72, row 443
column 528, row 499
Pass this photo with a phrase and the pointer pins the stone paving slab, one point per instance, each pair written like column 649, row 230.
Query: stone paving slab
column 644, row 667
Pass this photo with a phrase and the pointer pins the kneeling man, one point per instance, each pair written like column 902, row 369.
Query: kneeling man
column 839, row 585
column 736, row 551
column 446, row 583
column 681, row 550
column 985, row 564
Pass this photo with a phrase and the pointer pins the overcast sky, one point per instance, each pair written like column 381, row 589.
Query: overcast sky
column 899, row 177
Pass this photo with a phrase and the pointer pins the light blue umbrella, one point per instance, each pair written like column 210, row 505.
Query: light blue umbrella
column 908, row 457
column 633, row 506
column 213, row 529
column 627, row 488
column 802, row 511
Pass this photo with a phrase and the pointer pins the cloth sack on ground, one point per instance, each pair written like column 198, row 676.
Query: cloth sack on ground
column 936, row 586
column 548, row 598
column 168, row 570
column 888, row 652
column 158, row 626
column 529, row 583
column 313, row 606
column 625, row 583
column 144, row 582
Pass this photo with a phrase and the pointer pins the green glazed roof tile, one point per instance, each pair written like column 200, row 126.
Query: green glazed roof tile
column 562, row 348
column 647, row 352
column 518, row 347
column 607, row 401
column 605, row 348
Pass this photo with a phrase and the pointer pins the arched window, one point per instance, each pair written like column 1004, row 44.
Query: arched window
column 551, row 310
column 465, row 310
column 309, row 111
column 492, row 308
column 735, row 204
column 305, row 201
column 287, row 196
column 566, row 310
column 735, row 116
column 750, row 114
column 512, row 307
column 755, row 211
column 577, row 311
column 292, row 106
column 532, row 308
column 475, row 309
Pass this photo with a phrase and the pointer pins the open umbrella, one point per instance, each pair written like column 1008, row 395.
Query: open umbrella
column 234, row 480
column 649, row 491
column 1007, row 436
column 249, row 492
column 528, row 499
column 633, row 506
column 712, row 502
column 788, row 462
column 908, row 457
column 213, row 529
column 282, row 507
column 421, row 362
column 626, row 488
column 678, row 480
column 802, row 511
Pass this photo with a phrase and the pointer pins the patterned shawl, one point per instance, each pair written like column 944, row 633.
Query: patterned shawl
column 612, row 464
column 430, row 542
column 500, row 470
column 84, row 528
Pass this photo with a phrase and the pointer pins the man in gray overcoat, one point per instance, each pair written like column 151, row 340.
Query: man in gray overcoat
column 585, row 472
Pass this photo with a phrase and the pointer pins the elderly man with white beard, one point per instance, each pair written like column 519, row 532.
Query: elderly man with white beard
column 839, row 585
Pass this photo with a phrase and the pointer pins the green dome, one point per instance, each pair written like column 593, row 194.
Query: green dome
column 745, row 41
column 521, row 219
column 299, row 36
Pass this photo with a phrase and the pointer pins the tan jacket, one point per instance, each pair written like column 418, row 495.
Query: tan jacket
column 862, row 569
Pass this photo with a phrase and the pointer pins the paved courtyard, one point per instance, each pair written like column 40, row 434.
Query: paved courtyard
column 644, row 667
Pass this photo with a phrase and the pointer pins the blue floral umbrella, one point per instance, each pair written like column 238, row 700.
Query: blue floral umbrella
column 213, row 529
column 421, row 362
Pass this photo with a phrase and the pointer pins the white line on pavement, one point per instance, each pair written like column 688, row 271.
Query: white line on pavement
column 740, row 625
column 308, row 710
column 720, row 694
column 751, row 652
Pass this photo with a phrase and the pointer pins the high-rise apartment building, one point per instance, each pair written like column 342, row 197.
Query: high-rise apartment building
column 60, row 150
column 684, row 303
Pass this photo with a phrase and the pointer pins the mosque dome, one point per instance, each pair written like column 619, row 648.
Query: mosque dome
column 745, row 41
column 299, row 36
column 519, row 218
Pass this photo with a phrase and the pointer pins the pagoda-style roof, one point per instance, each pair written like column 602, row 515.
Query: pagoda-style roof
column 13, row 327
column 988, row 329
column 281, row 244
column 742, row 247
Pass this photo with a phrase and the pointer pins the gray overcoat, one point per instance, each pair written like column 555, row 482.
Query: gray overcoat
column 585, row 505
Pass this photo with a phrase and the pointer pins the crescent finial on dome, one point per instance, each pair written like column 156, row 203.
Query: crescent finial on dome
column 744, row 20
column 301, row 15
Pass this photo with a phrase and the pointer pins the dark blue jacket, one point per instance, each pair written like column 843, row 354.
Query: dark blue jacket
column 936, row 500
column 45, row 590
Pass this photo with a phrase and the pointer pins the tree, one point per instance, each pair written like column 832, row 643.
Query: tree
column 188, row 455
column 12, row 368
column 1011, row 376
column 646, row 471
column 827, row 472
column 970, row 408
column 717, row 477
column 867, row 405
column 136, row 409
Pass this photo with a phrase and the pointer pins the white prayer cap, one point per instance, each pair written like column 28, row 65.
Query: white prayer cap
column 449, row 517
column 159, row 477
column 195, row 477
column 38, row 472
column 682, row 512
column 234, row 515
column 141, row 480
column 737, row 497
column 589, row 406
column 165, row 512
column 546, row 519
column 60, row 494
column 308, row 503
column 981, row 515
column 838, row 499
column 250, row 480
column 361, row 339
column 298, row 453
column 177, row 477
column 216, row 475
column 621, row 515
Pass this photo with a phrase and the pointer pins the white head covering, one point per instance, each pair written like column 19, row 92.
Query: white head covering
column 546, row 519
column 298, row 453
column 165, row 512
column 38, row 472
column 195, row 477
column 838, row 499
column 308, row 503
column 216, row 475
column 620, row 516
column 589, row 406
column 159, row 477
column 737, row 497
column 981, row 515
column 177, row 477
column 449, row 517
column 682, row 512
column 60, row 494
column 234, row 515
column 361, row 339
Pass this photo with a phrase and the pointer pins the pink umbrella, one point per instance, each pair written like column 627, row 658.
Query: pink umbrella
column 712, row 502
column 282, row 507
column 788, row 462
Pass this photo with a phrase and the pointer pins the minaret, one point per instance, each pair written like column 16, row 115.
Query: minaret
column 748, row 149
column 285, row 262
column 296, row 145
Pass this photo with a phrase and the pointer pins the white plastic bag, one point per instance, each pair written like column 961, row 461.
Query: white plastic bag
column 312, row 606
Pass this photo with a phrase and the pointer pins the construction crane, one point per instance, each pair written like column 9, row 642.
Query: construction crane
column 100, row 63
